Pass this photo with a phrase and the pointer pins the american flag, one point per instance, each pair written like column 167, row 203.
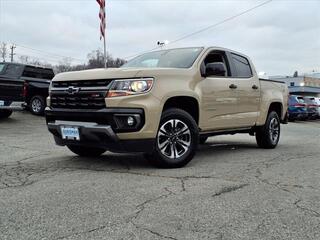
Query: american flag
column 102, row 16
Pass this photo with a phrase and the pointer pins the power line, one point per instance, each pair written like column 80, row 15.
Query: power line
column 207, row 28
column 50, row 54
column 36, row 58
column 46, row 59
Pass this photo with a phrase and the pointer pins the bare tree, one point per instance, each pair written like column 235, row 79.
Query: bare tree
column 64, row 65
column 3, row 51
column 24, row 59
column 95, row 60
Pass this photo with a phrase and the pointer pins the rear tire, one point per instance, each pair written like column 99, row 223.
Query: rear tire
column 37, row 105
column 5, row 113
column 86, row 151
column 176, row 141
column 268, row 135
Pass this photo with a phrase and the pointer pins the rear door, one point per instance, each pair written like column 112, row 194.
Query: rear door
column 11, row 86
column 247, row 90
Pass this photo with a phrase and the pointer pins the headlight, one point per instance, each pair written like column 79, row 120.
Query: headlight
column 130, row 87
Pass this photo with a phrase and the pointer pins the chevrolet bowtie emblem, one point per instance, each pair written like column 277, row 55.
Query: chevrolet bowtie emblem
column 72, row 90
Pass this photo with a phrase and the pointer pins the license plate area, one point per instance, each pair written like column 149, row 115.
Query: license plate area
column 70, row 133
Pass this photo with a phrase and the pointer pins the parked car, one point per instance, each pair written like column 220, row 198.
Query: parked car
column 317, row 100
column 23, row 85
column 297, row 109
column 312, row 107
column 163, row 103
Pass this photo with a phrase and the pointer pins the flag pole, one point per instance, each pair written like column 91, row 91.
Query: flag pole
column 104, row 38
column 102, row 16
column 105, row 52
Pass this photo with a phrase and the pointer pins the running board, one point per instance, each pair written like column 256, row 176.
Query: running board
column 228, row 132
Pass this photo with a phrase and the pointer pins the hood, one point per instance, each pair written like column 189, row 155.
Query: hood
column 114, row 73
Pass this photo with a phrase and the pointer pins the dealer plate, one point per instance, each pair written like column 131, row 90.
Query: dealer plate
column 70, row 133
column 1, row 103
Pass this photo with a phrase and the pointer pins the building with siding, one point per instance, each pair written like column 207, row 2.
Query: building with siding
column 308, row 85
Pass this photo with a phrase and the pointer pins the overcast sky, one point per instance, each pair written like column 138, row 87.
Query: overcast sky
column 280, row 37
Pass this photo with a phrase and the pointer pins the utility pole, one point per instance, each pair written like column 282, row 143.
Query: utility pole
column 12, row 49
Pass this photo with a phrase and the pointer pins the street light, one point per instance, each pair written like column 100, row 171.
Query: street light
column 163, row 43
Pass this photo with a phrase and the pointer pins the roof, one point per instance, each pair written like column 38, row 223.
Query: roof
column 205, row 48
column 297, row 89
column 29, row 65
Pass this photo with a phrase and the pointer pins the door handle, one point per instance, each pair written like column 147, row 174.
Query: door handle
column 255, row 87
column 233, row 86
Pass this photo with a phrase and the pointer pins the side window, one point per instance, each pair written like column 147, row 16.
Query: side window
column 46, row 74
column 1, row 67
column 40, row 73
column 12, row 70
column 30, row 72
column 242, row 66
column 218, row 57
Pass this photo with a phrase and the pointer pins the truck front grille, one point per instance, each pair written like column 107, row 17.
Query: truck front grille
column 84, row 94
column 90, row 100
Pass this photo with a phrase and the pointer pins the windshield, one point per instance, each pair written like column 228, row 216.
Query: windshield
column 301, row 100
column 1, row 67
column 173, row 58
column 310, row 100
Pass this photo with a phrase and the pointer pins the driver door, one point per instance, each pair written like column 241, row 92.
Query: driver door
column 218, row 98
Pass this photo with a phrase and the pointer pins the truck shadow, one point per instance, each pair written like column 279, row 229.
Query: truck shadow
column 119, row 162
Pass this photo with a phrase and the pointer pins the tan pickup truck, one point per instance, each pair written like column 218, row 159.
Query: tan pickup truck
column 165, row 103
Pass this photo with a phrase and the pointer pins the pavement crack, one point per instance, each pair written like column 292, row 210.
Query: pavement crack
column 141, row 207
column 265, row 181
column 229, row 189
column 82, row 232
column 183, row 187
column 158, row 234
column 305, row 209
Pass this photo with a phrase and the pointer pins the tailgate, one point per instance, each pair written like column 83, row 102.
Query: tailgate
column 11, row 89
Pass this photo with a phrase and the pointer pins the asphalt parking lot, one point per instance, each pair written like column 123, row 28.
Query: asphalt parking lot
column 231, row 190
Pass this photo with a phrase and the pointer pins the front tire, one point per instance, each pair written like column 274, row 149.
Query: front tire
column 37, row 105
column 84, row 151
column 268, row 135
column 177, row 139
column 5, row 113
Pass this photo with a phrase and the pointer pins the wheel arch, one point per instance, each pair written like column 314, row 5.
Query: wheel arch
column 277, row 107
column 266, row 108
column 187, row 103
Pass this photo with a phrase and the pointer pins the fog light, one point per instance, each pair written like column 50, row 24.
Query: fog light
column 130, row 121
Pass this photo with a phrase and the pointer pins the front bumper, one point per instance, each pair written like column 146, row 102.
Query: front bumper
column 99, row 128
column 13, row 106
column 298, row 115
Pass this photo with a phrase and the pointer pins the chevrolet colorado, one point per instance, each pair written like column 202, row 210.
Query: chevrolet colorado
column 165, row 103
column 23, row 85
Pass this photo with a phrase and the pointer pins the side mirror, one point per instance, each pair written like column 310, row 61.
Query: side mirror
column 215, row 69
